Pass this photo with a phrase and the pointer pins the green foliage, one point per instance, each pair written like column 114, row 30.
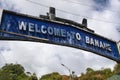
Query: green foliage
column 33, row 77
column 96, row 75
column 89, row 70
column 17, row 72
column 14, row 69
column 13, row 72
column 117, row 69
column 52, row 76
column 90, row 74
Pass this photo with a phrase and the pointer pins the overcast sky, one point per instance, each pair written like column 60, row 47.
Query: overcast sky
column 103, row 17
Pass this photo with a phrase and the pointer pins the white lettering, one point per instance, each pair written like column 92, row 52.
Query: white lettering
column 108, row 47
column 43, row 29
column 91, row 41
column 31, row 27
column 98, row 43
column 22, row 25
column 87, row 40
column 63, row 32
column 56, row 32
column 78, row 37
column 50, row 30
column 101, row 45
column 37, row 29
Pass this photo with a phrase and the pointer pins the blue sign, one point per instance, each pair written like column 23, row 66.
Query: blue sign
column 21, row 27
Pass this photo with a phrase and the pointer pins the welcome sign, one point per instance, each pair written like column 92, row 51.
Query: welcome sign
column 16, row 26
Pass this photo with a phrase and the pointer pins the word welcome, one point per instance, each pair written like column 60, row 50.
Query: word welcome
column 48, row 30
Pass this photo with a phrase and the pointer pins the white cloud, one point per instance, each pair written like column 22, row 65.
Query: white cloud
column 45, row 58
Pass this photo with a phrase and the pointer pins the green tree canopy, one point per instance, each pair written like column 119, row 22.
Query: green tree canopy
column 52, row 76
column 117, row 69
column 13, row 72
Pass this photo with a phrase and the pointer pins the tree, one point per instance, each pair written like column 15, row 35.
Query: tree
column 13, row 68
column 117, row 69
column 89, row 70
column 52, row 76
column 91, row 74
column 13, row 72
column 34, row 77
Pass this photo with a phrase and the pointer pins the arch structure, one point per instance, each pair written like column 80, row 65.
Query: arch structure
column 16, row 26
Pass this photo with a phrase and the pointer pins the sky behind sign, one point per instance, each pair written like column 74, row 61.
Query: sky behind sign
column 45, row 58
